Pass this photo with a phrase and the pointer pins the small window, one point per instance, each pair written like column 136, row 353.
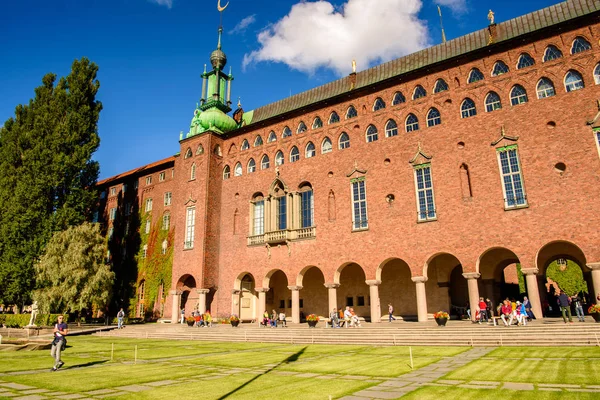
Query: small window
column 440, row 86
column 499, row 68
column 113, row 191
column 467, row 108
column 344, row 141
column 279, row 159
column 579, row 45
column 272, row 137
column 168, row 198
column 326, row 146
column 251, row 166
column 391, row 128
column 525, row 61
column 161, row 177
column 294, row 154
column 573, row 81
column 245, row 145
column 379, row 104
column 166, row 223
column 597, row 74
column 258, row 141
column 237, row 170
column 193, row 172
column 398, row 99
column 412, row 123
column 226, row 172
column 310, row 150
column 360, row 301
column 492, row 102
column 317, row 123
column 149, row 180
column 350, row 301
column 287, row 132
column 552, row 53
column 147, row 226
column 518, row 95
column 475, row 76
column 419, row 92
column 264, row 162
column 200, row 150
column 545, row 88
column 334, row 117
column 351, row 112
column 148, row 205
column 112, row 214
column 301, row 127
column 371, row 134
column 188, row 153
column 433, row 117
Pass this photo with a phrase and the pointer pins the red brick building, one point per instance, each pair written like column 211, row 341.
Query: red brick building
column 415, row 183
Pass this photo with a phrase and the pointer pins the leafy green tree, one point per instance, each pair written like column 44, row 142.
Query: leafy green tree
column 72, row 274
column 46, row 172
column 569, row 278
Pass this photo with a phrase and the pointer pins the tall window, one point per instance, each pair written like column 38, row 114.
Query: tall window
column 237, row 170
column 545, row 88
column 398, row 99
column 424, row 187
column 512, row 180
column 359, row 204
column 344, row 141
column 251, row 166
column 597, row 74
column 310, row 150
column 264, row 162
column 419, row 92
column 301, row 127
column 371, row 134
column 258, row 141
column 467, row 108
column 281, row 213
column 579, row 45
column 149, row 180
column 499, row 68
column 306, row 207
column 272, row 137
column 294, row 154
column 334, row 117
column 168, row 198
column 166, row 222
column 161, row 177
column 379, row 104
column 412, row 123
column 518, row 95
column 552, row 53
column 259, row 217
column 475, row 76
column 492, row 102
column 597, row 136
column 190, row 221
column 317, row 123
column 279, row 159
column 525, row 61
column 148, row 204
column 193, row 172
column 188, row 153
column 245, row 145
column 440, row 86
column 391, row 129
column 573, row 81
column 287, row 132
column 112, row 214
column 351, row 112
column 147, row 228
column 226, row 172
column 326, row 146
column 433, row 117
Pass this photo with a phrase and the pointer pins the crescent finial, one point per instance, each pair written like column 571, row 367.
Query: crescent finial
column 221, row 9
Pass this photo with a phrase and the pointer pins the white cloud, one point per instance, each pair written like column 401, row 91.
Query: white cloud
column 457, row 6
column 316, row 34
column 168, row 3
column 243, row 24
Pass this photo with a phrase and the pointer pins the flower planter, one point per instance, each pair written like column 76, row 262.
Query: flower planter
column 596, row 317
column 234, row 323
column 312, row 324
column 441, row 321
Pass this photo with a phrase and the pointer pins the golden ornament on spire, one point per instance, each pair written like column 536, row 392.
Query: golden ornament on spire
column 221, row 9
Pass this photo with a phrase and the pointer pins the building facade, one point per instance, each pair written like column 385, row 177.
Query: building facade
column 415, row 183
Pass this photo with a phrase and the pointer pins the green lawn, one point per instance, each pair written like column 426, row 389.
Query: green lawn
column 437, row 393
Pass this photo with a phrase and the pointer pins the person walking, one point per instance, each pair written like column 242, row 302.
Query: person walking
column 60, row 331
column 391, row 312
column 182, row 316
column 120, row 316
column 483, row 316
column 576, row 300
column 564, row 303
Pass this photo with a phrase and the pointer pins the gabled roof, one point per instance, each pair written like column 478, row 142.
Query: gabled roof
column 139, row 170
column 504, row 31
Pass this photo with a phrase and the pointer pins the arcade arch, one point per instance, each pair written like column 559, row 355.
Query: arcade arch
column 397, row 288
column 313, row 295
column 186, row 285
column 446, row 287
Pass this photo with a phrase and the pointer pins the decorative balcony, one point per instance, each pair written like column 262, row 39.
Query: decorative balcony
column 282, row 236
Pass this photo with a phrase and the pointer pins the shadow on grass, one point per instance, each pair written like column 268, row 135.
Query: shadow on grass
column 87, row 364
column 290, row 359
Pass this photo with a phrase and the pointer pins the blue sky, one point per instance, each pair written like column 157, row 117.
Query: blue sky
column 151, row 53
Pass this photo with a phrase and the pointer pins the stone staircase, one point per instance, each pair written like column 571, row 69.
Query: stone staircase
column 455, row 333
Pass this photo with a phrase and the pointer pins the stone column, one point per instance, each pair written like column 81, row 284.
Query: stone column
column 421, row 298
column 375, row 304
column 595, row 267
column 235, row 302
column 533, row 292
column 332, row 295
column 262, row 302
column 295, row 303
column 471, row 278
column 202, row 300
column 175, row 310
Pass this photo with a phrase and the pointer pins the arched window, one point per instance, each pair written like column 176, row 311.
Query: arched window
column 579, row 45
column 200, row 150
column 344, row 141
column 287, row 132
column 306, row 206
column 245, row 145
column 301, row 127
column 251, row 166
column 467, row 108
column 294, row 154
column 475, row 76
column 217, row 151
column 188, row 153
column 573, row 81
column 371, row 134
column 379, row 104
column 226, row 172
column 492, row 102
column 552, row 53
column 398, row 99
column 440, row 86
column 351, row 112
column 597, row 74
column 334, row 117
column 499, row 68
column 545, row 88
column 258, row 141
column 412, row 123
column 237, row 170
column 264, row 162
column 317, row 123
column 525, row 61
column 272, row 137
column 326, row 146
column 279, row 159
column 391, row 128
column 419, row 92
column 193, row 172
column 433, row 117
column 310, row 150
column 518, row 95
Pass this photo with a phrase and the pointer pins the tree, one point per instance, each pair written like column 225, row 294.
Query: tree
column 568, row 277
column 72, row 274
column 46, row 172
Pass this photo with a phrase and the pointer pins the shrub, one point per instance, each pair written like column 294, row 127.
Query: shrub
column 22, row 320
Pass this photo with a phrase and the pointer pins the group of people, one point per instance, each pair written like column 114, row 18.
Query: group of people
column 347, row 318
column 509, row 311
column 202, row 320
column 271, row 320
